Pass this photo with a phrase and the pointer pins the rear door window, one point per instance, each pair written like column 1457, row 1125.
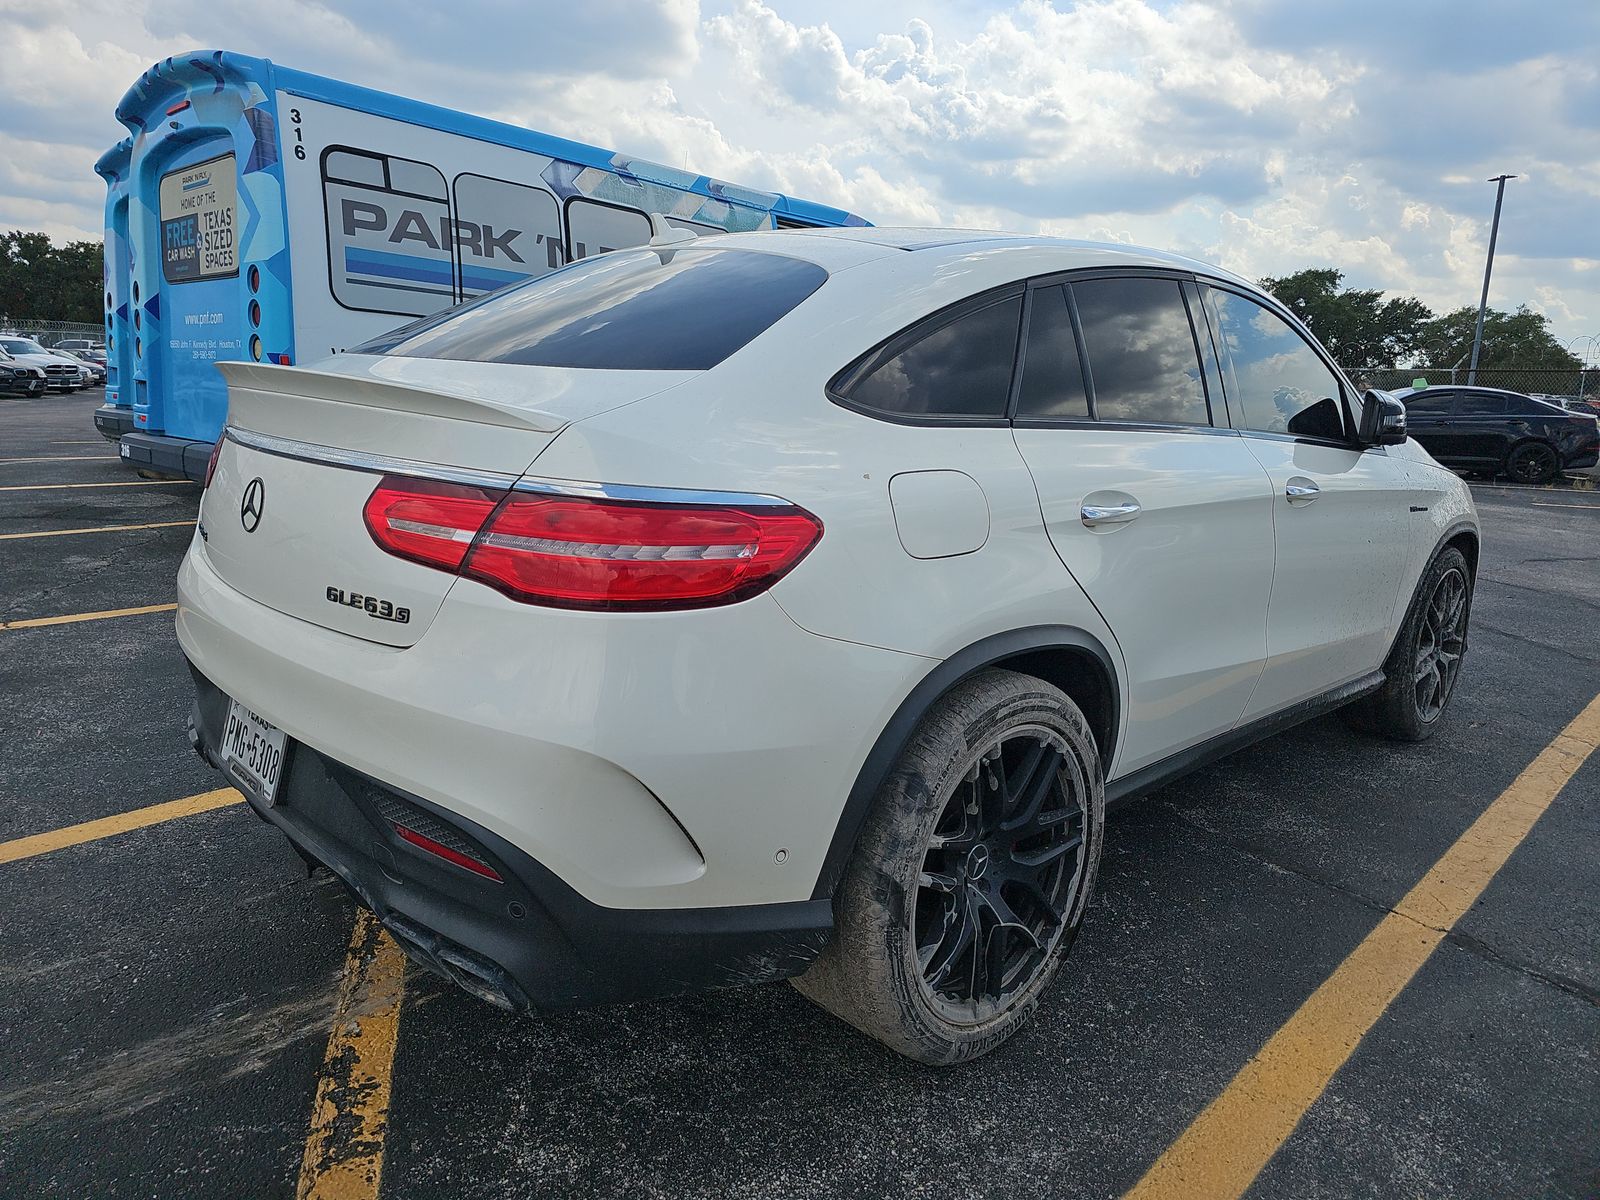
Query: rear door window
column 1429, row 404
column 634, row 310
column 1143, row 363
column 1481, row 404
column 955, row 365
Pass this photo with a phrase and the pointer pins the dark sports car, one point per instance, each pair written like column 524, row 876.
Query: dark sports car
column 1499, row 432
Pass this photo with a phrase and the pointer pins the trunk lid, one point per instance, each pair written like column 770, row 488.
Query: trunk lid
column 282, row 519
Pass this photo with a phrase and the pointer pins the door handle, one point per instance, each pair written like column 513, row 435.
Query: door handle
column 1094, row 515
column 1300, row 490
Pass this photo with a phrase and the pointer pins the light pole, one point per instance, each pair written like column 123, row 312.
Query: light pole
column 1483, row 301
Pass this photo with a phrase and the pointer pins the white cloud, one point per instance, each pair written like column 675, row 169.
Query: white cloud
column 1258, row 133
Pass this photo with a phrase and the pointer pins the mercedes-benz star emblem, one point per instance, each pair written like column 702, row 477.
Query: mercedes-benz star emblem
column 255, row 499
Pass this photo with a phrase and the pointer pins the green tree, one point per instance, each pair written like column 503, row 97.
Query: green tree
column 1516, row 339
column 40, row 279
column 1361, row 329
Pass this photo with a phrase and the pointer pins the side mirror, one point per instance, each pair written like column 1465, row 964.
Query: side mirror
column 1383, row 420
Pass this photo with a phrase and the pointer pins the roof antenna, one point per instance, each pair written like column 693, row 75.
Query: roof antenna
column 664, row 234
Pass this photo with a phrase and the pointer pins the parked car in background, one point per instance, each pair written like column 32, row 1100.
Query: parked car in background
column 1500, row 433
column 65, row 374
column 97, row 370
column 791, row 604
column 1577, row 404
column 83, row 348
column 20, row 379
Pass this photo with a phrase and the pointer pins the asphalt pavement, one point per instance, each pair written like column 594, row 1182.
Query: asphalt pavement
column 167, row 993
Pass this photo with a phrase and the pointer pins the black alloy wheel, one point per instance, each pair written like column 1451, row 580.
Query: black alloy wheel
column 1533, row 462
column 971, row 875
column 1440, row 645
column 1000, row 873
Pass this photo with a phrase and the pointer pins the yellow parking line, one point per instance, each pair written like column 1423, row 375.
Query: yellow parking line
column 65, row 458
column 1219, row 1156
column 73, row 618
column 12, row 537
column 58, row 487
column 349, row 1118
column 95, row 442
column 104, row 827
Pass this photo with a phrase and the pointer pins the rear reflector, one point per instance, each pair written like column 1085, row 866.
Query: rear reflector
column 591, row 553
column 423, row 842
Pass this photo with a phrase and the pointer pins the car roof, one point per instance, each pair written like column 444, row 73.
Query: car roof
column 1037, row 254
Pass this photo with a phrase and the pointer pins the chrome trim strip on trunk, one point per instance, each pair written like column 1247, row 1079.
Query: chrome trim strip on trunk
column 359, row 460
column 382, row 464
column 640, row 494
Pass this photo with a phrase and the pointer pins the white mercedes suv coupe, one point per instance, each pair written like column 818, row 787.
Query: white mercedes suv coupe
column 791, row 604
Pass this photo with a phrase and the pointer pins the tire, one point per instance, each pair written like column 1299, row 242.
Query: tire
column 929, row 875
column 1422, row 671
column 1533, row 462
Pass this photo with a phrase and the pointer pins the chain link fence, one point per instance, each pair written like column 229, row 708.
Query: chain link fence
column 48, row 333
column 1530, row 381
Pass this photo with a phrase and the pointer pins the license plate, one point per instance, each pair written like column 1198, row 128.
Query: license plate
column 252, row 751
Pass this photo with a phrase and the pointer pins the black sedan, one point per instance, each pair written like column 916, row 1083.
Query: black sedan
column 17, row 379
column 1499, row 432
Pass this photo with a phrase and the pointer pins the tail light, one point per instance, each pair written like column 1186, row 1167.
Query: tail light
column 428, row 522
column 211, row 463
column 592, row 553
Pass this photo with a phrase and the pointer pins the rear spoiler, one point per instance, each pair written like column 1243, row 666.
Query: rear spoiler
column 378, row 393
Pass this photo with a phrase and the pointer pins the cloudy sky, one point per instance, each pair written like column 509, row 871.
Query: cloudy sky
column 1265, row 135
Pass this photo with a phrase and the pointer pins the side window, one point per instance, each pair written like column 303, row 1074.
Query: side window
column 1143, row 365
column 388, row 224
column 505, row 232
column 958, row 365
column 595, row 228
column 1430, row 403
column 1481, row 404
column 1052, row 375
column 1280, row 383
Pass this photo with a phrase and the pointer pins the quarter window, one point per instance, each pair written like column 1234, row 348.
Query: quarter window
column 1052, row 375
column 957, row 366
column 1281, row 383
column 1143, row 364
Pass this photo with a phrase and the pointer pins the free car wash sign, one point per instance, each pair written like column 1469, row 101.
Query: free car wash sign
column 199, row 206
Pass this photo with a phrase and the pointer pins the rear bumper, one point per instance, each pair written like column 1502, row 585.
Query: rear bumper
column 160, row 452
column 528, row 940
column 113, row 421
column 663, row 761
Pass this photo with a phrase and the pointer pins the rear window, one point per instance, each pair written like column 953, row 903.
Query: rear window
column 632, row 310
